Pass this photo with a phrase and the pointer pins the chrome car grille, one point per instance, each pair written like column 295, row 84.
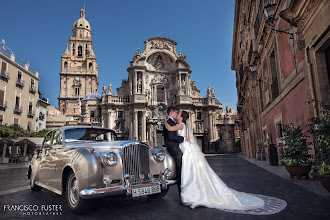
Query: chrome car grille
column 136, row 161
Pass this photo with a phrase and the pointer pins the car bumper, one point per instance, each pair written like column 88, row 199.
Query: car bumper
column 125, row 189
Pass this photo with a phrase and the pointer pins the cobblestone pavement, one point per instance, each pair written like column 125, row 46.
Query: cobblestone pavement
column 237, row 172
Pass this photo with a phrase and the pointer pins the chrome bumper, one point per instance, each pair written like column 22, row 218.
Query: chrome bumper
column 125, row 189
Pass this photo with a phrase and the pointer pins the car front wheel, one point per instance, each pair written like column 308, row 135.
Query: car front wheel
column 33, row 186
column 76, row 204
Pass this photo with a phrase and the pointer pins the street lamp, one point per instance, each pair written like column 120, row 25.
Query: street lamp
column 269, row 11
column 253, row 70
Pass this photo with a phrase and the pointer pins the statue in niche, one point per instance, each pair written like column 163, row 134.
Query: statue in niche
column 199, row 127
column 183, row 86
column 155, row 113
column 139, row 85
column 109, row 89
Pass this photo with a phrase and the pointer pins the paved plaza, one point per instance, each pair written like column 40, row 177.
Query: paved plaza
column 240, row 173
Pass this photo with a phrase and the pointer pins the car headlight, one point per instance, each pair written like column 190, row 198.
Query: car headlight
column 159, row 155
column 110, row 159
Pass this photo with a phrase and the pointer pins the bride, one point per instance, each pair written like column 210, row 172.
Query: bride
column 201, row 186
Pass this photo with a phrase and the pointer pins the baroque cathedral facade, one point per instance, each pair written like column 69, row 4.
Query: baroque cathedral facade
column 158, row 77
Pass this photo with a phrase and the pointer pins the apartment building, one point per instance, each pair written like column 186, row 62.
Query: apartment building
column 18, row 91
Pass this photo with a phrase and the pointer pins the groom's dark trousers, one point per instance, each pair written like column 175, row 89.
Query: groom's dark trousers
column 172, row 141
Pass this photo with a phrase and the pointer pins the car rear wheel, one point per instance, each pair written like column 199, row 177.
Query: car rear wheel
column 159, row 195
column 76, row 204
column 33, row 186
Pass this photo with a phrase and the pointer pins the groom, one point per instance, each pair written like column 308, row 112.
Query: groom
column 172, row 141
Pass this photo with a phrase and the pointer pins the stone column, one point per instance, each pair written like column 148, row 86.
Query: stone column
column 109, row 120
column 143, row 124
column 142, row 87
column 130, row 82
column 179, row 83
column 135, row 83
column 135, row 125
column 210, row 127
column 131, row 132
column 25, row 149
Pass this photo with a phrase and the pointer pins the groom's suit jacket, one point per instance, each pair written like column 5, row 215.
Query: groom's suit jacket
column 172, row 140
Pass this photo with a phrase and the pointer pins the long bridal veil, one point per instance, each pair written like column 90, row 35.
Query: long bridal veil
column 201, row 186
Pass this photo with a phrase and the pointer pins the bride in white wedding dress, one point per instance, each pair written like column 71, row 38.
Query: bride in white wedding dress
column 201, row 186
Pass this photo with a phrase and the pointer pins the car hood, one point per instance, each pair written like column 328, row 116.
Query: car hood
column 100, row 144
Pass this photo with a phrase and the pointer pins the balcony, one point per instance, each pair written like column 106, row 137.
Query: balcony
column 30, row 114
column 41, row 117
column 5, row 76
column 18, row 110
column 3, row 106
column 32, row 89
column 20, row 83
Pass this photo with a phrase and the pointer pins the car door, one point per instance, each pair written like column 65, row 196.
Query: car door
column 45, row 170
column 59, row 158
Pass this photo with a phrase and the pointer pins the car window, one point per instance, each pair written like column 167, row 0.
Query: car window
column 91, row 134
column 57, row 139
column 48, row 139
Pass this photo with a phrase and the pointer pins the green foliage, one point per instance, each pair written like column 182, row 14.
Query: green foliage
column 320, row 129
column 41, row 133
column 297, row 151
column 15, row 131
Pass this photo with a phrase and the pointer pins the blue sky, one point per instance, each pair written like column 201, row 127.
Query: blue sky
column 38, row 31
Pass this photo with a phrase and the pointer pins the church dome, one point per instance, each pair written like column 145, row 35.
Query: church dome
column 92, row 96
column 82, row 22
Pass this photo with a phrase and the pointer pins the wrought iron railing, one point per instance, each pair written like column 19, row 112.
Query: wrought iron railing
column 19, row 83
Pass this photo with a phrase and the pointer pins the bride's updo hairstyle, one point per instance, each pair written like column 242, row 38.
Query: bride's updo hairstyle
column 184, row 116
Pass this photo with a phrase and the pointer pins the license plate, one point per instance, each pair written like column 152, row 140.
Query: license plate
column 146, row 191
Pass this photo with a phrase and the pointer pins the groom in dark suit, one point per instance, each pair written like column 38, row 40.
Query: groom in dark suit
column 172, row 141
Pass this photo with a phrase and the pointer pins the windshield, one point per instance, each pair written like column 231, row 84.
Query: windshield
column 91, row 134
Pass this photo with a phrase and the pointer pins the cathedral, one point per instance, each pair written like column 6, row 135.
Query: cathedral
column 158, row 77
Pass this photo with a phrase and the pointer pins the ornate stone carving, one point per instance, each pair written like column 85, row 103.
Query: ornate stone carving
column 159, row 64
column 158, row 79
column 160, row 44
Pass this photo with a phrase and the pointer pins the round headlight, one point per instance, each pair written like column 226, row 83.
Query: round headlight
column 110, row 159
column 159, row 155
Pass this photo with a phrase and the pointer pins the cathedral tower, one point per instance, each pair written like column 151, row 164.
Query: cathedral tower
column 79, row 71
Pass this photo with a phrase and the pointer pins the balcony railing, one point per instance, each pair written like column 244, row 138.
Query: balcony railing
column 3, row 106
column 5, row 76
column 41, row 117
column 96, row 120
column 18, row 110
column 30, row 114
column 32, row 89
column 19, row 83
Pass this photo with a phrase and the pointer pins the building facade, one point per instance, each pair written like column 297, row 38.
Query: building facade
column 281, row 59
column 158, row 77
column 41, row 113
column 18, row 91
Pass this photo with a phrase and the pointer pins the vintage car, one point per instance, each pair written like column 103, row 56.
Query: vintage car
column 83, row 163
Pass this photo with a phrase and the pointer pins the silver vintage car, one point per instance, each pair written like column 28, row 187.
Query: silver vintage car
column 83, row 163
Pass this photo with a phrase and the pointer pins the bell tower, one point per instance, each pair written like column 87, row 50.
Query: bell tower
column 79, row 71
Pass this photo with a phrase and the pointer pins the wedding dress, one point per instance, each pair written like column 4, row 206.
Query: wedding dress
column 201, row 186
